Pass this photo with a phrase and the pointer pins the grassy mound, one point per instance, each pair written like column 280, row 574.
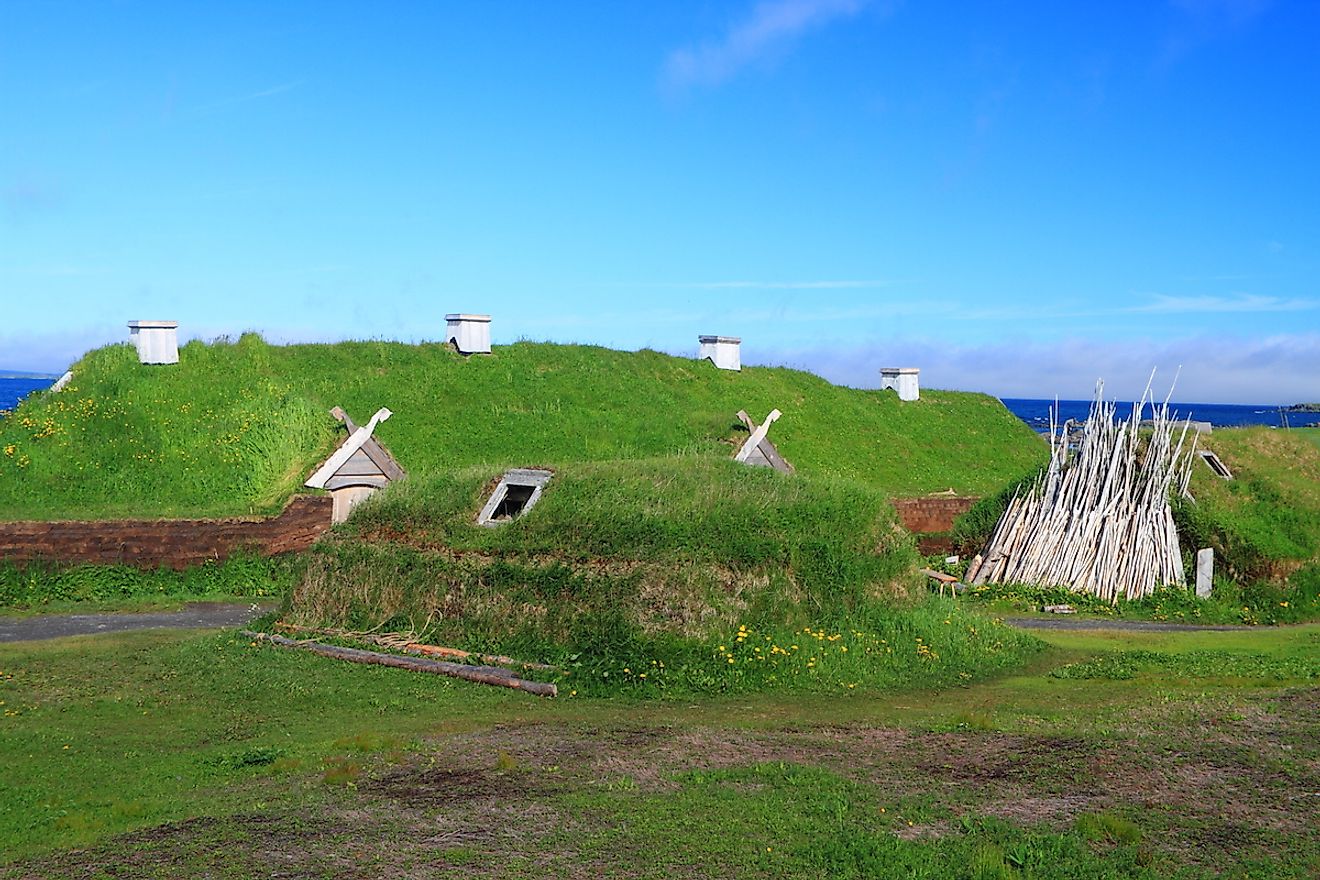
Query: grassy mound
column 236, row 426
column 652, row 562
column 681, row 574
column 1265, row 522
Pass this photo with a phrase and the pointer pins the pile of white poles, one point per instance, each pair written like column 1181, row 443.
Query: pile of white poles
column 1099, row 520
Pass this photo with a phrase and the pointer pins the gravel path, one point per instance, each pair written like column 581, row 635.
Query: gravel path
column 1102, row 623
column 195, row 615
column 213, row 615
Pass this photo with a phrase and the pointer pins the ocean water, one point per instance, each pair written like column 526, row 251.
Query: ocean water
column 14, row 390
column 1036, row 413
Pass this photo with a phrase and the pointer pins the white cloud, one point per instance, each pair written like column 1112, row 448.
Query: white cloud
column 771, row 26
column 1243, row 302
column 777, row 285
column 1215, row 369
column 251, row 96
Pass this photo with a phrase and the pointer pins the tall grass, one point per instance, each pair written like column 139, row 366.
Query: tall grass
column 124, row 440
column 35, row 584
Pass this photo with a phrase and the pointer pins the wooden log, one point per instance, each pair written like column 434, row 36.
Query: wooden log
column 492, row 675
column 975, row 568
column 400, row 642
column 1099, row 519
column 757, row 436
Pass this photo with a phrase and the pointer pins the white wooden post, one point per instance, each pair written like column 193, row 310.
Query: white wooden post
column 1205, row 572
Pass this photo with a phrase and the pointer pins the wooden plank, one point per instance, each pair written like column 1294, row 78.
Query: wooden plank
column 493, row 675
column 359, row 464
column 383, row 459
column 341, row 482
column 771, row 452
column 757, row 436
column 373, row 448
column 339, row 413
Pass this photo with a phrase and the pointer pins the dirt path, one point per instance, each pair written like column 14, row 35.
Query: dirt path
column 1102, row 623
column 195, row 615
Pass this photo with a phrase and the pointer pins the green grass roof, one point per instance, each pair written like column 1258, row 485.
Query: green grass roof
column 236, row 427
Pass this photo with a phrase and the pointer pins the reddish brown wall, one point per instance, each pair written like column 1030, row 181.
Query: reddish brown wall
column 173, row 542
column 931, row 514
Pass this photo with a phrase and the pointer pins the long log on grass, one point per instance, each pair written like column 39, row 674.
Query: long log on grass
column 401, row 642
column 492, row 675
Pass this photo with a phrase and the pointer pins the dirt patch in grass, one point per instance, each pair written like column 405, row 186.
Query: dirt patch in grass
column 424, row 788
column 508, row 799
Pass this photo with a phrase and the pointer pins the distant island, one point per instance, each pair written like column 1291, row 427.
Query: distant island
column 1305, row 407
column 21, row 374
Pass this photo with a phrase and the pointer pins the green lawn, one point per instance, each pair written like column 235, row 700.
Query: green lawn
column 167, row 754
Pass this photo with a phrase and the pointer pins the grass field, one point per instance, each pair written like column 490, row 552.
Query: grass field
column 236, row 426
column 1169, row 755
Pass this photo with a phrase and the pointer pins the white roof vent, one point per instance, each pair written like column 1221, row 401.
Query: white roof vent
column 904, row 380
column 157, row 342
column 722, row 351
column 469, row 334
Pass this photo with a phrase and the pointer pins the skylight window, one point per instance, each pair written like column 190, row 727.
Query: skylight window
column 517, row 493
column 1215, row 464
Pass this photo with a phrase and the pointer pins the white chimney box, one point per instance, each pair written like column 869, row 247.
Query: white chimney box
column 904, row 380
column 157, row 342
column 723, row 351
column 470, row 334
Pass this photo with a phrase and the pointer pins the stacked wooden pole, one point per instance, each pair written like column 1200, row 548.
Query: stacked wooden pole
column 1099, row 520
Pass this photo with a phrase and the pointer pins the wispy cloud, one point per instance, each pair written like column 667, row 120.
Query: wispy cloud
column 1215, row 368
column 1233, row 12
column 771, row 27
column 1239, row 303
column 28, row 196
column 1202, row 21
column 776, row 285
column 270, row 92
column 53, row 271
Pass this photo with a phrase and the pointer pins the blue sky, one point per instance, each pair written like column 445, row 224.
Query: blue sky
column 1017, row 198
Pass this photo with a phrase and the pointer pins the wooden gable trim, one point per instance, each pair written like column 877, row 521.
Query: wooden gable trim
column 373, row 448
